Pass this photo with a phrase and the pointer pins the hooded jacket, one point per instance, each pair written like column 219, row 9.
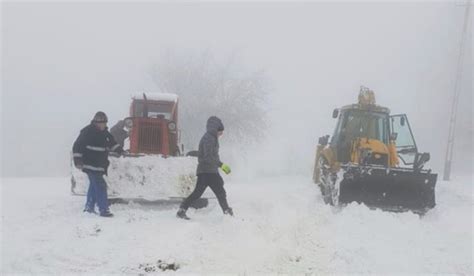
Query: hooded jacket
column 208, row 158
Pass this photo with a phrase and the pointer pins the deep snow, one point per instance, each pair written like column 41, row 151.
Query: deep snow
column 281, row 225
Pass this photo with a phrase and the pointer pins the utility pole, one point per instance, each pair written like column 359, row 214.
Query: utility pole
column 454, row 107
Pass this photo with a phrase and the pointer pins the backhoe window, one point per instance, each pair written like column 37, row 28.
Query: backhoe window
column 337, row 131
column 402, row 128
column 406, row 146
column 362, row 124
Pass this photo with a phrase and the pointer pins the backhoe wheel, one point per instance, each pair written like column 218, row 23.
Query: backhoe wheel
column 325, row 184
column 334, row 189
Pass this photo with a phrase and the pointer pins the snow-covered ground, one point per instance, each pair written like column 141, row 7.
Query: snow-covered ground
column 281, row 225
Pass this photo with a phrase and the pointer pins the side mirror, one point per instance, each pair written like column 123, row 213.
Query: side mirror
column 420, row 160
column 402, row 121
column 323, row 140
column 425, row 157
column 335, row 113
column 393, row 136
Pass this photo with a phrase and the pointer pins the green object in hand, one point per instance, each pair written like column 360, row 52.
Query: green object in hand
column 225, row 168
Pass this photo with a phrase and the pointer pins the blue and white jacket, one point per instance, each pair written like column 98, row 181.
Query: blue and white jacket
column 91, row 149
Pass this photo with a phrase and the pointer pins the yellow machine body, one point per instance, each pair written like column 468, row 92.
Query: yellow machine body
column 365, row 149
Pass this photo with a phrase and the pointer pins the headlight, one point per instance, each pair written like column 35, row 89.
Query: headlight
column 172, row 126
column 128, row 123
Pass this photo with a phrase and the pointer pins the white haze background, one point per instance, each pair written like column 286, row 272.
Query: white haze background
column 63, row 62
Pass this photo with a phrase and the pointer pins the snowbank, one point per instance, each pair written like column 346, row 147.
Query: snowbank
column 149, row 177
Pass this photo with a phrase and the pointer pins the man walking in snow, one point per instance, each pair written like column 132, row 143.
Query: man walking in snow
column 90, row 153
column 207, row 170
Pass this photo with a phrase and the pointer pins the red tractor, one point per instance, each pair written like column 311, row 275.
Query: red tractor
column 152, row 127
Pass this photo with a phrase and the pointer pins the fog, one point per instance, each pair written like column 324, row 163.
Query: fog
column 63, row 62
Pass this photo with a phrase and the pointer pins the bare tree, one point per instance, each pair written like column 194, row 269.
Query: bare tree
column 208, row 87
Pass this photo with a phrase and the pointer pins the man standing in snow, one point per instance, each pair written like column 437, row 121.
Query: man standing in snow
column 207, row 170
column 91, row 152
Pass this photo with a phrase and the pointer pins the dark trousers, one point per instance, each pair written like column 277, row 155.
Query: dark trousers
column 215, row 182
column 97, row 193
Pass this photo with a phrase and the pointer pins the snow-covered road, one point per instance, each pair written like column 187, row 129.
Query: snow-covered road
column 281, row 225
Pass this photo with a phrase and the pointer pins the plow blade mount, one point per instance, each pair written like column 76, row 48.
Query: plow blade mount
column 394, row 189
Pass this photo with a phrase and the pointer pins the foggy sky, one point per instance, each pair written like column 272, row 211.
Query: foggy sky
column 63, row 62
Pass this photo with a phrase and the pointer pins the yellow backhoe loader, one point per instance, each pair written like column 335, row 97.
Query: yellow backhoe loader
column 372, row 158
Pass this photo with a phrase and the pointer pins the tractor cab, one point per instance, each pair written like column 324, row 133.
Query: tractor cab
column 154, row 107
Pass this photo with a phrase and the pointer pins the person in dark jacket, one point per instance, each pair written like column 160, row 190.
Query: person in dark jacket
column 90, row 153
column 207, row 169
column 118, row 132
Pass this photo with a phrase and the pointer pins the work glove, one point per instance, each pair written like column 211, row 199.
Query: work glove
column 225, row 168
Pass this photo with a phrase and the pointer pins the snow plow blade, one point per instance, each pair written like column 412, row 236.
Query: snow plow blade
column 149, row 177
column 392, row 190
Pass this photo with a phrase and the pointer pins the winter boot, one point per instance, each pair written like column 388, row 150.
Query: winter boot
column 229, row 212
column 106, row 214
column 182, row 214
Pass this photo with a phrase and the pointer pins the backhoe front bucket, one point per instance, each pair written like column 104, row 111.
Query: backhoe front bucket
column 395, row 189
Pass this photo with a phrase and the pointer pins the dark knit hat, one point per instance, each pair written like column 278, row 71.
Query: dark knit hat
column 100, row 117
